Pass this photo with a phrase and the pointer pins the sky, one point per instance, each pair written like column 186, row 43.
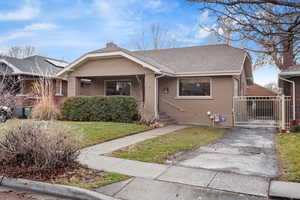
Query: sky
column 66, row 29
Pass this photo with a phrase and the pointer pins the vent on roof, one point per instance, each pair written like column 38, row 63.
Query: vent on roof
column 57, row 63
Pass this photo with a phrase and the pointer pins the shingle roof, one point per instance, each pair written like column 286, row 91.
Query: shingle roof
column 257, row 90
column 294, row 70
column 201, row 59
column 35, row 65
column 217, row 59
column 210, row 58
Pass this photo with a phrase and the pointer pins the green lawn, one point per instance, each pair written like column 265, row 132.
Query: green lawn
column 158, row 149
column 97, row 132
column 288, row 146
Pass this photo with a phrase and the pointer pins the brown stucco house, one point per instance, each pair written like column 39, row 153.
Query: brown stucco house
column 177, row 84
column 289, row 81
column 25, row 72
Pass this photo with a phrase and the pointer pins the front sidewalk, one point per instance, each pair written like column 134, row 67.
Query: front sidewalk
column 92, row 157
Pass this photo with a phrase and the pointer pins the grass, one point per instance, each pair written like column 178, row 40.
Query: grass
column 96, row 132
column 288, row 146
column 158, row 149
column 90, row 179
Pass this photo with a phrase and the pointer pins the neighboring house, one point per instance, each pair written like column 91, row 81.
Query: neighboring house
column 260, row 91
column 180, row 83
column 27, row 71
column 289, row 81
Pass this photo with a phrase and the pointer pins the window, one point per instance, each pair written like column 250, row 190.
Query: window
column 120, row 88
column 194, row 87
column 58, row 87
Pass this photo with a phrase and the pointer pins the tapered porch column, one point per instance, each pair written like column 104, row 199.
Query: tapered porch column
column 150, row 90
column 73, row 86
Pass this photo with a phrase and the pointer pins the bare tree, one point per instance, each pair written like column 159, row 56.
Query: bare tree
column 271, row 27
column 9, row 86
column 21, row 52
column 155, row 38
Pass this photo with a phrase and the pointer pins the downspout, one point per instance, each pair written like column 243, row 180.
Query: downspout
column 294, row 93
column 156, row 115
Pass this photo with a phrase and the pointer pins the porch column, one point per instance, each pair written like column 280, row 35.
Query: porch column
column 73, row 86
column 149, row 105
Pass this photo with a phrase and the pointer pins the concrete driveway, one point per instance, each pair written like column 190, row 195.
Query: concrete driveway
column 242, row 150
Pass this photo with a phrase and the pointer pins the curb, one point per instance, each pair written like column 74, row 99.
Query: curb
column 53, row 189
column 285, row 189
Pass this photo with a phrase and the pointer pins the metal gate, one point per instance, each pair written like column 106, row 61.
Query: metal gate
column 262, row 111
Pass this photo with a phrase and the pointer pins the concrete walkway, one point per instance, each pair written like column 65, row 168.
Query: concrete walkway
column 241, row 150
column 91, row 156
column 116, row 144
column 250, row 185
column 147, row 189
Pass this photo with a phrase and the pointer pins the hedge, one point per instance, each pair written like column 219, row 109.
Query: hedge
column 116, row 109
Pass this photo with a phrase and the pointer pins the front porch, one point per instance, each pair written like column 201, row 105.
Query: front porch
column 141, row 87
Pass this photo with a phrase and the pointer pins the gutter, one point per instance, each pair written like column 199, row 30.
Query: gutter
column 294, row 93
column 156, row 115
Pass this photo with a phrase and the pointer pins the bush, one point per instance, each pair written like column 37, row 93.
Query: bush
column 38, row 145
column 116, row 109
column 296, row 128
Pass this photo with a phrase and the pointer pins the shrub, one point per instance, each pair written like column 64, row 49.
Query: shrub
column 296, row 128
column 117, row 109
column 38, row 145
column 45, row 110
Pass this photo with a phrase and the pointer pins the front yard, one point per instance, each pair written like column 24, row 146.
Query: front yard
column 288, row 146
column 158, row 149
column 96, row 132
column 77, row 175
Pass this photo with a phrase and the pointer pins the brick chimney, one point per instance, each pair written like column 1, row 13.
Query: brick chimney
column 111, row 45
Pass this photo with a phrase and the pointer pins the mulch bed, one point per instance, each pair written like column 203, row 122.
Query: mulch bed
column 8, row 169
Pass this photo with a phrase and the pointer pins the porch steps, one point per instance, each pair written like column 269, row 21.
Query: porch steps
column 165, row 119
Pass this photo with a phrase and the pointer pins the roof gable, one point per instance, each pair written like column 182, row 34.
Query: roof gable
column 186, row 61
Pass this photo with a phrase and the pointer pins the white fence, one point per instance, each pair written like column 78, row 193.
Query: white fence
column 262, row 111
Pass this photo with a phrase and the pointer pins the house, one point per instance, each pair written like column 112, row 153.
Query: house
column 258, row 90
column 289, row 81
column 27, row 71
column 187, row 85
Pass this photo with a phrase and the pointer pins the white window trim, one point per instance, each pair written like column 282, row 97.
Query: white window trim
column 118, row 80
column 193, row 97
column 60, row 93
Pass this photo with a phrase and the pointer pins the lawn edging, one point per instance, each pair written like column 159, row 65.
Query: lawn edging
column 53, row 189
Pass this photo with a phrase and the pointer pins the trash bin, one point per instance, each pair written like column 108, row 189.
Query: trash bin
column 27, row 111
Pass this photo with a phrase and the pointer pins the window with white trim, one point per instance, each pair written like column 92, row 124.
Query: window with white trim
column 118, row 88
column 58, row 87
column 194, row 87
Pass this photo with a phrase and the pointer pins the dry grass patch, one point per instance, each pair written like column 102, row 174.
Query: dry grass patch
column 158, row 149
column 88, row 178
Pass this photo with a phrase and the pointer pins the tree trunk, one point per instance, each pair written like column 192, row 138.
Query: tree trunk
column 288, row 55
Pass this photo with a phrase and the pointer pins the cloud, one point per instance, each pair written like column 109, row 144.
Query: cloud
column 27, row 31
column 14, row 36
column 154, row 4
column 40, row 26
column 29, row 10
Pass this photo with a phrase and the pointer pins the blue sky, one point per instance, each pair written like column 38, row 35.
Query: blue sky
column 66, row 29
